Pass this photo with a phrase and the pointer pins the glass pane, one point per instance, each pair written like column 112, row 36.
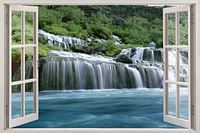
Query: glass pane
column 171, row 70
column 184, row 102
column 16, row 64
column 29, row 53
column 171, row 29
column 16, row 101
column 29, row 32
column 28, row 98
column 183, row 27
column 172, row 99
column 183, row 64
column 16, row 27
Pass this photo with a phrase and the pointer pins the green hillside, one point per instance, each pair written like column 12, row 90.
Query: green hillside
column 136, row 25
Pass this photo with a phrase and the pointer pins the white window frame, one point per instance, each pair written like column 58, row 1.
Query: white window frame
column 177, row 120
column 4, row 68
column 24, row 118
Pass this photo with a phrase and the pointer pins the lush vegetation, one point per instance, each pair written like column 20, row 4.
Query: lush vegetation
column 136, row 25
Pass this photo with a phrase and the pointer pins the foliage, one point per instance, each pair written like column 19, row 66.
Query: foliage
column 71, row 13
column 171, row 32
column 15, row 54
column 119, row 13
column 134, row 24
column 156, row 31
column 101, row 32
column 100, row 18
column 109, row 48
column 45, row 49
column 184, row 32
column 67, row 29
column 16, row 28
column 48, row 17
column 112, row 49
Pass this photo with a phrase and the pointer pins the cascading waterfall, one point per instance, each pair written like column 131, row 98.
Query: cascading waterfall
column 152, row 77
column 144, row 54
column 66, row 70
column 147, row 56
column 69, row 70
column 139, row 54
column 68, row 42
column 62, row 41
column 68, row 73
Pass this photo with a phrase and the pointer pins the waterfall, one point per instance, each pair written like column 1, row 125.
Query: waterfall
column 68, row 42
column 148, row 56
column 139, row 54
column 62, row 73
column 144, row 54
column 62, row 41
column 65, row 70
column 70, row 70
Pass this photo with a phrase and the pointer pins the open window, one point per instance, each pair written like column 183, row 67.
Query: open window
column 174, row 83
column 21, row 53
column 177, row 84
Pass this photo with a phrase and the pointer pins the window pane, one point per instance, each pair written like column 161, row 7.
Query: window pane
column 183, row 27
column 183, row 65
column 171, row 70
column 29, row 98
column 184, row 102
column 171, row 29
column 29, row 32
column 16, row 64
column 16, row 27
column 29, row 53
column 172, row 99
column 16, row 101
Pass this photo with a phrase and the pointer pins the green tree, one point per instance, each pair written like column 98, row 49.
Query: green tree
column 156, row 32
column 136, row 31
column 48, row 17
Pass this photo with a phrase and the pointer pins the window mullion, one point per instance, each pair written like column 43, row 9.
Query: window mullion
column 190, row 89
column 177, row 85
column 23, row 64
column 35, row 61
column 165, row 63
column 177, row 28
column 177, row 66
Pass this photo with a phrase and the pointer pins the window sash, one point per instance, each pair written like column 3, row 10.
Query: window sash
column 177, row 120
column 24, row 118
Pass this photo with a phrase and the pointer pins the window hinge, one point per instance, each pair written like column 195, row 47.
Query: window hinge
column 192, row 110
column 193, row 18
column 7, row 18
column 7, row 110
column 38, row 64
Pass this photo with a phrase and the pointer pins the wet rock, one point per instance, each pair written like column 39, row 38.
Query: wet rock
column 124, row 59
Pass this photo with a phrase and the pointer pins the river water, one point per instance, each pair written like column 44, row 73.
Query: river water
column 102, row 108
column 92, row 91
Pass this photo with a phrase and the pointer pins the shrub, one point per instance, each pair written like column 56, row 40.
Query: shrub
column 67, row 29
column 45, row 49
column 48, row 17
column 41, row 39
column 101, row 32
column 71, row 13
